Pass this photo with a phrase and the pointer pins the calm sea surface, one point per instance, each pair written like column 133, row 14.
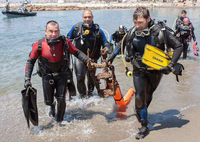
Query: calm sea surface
column 94, row 119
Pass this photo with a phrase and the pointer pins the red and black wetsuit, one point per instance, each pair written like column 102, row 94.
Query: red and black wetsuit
column 54, row 67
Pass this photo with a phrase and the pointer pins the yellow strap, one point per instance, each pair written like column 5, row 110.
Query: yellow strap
column 122, row 43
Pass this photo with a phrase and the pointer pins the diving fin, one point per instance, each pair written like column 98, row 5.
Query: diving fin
column 33, row 106
column 25, row 102
column 195, row 49
column 29, row 105
column 155, row 58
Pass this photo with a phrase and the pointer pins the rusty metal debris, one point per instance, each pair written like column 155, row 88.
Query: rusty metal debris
column 108, row 75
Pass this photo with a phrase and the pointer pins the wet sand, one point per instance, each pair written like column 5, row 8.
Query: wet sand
column 184, row 128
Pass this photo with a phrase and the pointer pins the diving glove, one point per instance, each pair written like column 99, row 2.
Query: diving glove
column 178, row 68
column 27, row 83
column 166, row 70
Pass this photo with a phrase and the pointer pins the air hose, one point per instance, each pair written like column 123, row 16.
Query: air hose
column 128, row 72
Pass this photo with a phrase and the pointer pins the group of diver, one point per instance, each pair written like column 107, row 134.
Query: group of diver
column 52, row 54
column 185, row 32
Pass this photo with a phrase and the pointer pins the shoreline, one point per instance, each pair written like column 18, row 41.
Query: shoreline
column 98, row 5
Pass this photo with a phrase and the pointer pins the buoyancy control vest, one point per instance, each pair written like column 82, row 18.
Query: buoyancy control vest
column 88, row 39
column 135, row 45
column 186, row 31
column 46, row 67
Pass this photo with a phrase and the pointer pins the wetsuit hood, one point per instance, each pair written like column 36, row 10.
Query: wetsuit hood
column 151, row 23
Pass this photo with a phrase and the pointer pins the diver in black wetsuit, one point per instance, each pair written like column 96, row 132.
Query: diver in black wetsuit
column 146, row 81
column 87, row 35
column 118, row 35
column 185, row 33
column 179, row 20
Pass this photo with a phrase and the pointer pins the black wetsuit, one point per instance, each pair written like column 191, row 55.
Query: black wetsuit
column 93, row 41
column 146, row 81
column 117, row 37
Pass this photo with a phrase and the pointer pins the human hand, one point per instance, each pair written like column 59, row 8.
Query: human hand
column 166, row 70
column 90, row 65
column 27, row 83
column 104, row 51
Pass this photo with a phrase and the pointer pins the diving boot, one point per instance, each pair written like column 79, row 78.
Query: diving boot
column 144, row 131
column 52, row 111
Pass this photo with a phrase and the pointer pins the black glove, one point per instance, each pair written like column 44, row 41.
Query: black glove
column 167, row 69
column 27, row 83
column 178, row 68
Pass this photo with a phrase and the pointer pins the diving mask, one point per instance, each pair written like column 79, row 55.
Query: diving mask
column 142, row 33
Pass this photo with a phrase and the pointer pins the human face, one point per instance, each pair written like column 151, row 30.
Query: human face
column 87, row 17
column 186, row 23
column 141, row 23
column 52, row 31
column 121, row 30
column 183, row 15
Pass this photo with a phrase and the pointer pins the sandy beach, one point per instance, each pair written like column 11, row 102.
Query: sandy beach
column 99, row 5
column 184, row 128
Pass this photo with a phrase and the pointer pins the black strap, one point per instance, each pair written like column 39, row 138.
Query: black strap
column 65, row 49
column 39, row 49
column 96, row 42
